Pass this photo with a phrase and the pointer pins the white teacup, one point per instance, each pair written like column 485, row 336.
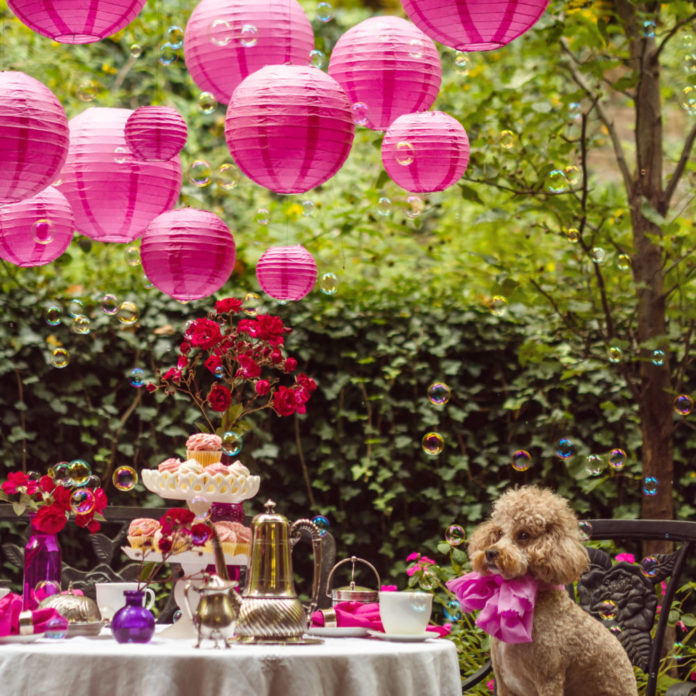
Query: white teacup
column 110, row 597
column 405, row 613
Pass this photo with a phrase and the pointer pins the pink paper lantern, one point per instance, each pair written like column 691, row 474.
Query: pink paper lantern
column 76, row 21
column 227, row 40
column 474, row 25
column 425, row 152
column 156, row 133
column 114, row 196
column 187, row 253
column 34, row 136
column 289, row 128
column 36, row 230
column 286, row 273
column 387, row 67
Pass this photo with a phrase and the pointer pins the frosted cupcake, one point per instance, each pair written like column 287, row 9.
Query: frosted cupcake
column 142, row 531
column 205, row 448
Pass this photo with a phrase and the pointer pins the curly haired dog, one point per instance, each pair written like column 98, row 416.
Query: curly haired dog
column 533, row 531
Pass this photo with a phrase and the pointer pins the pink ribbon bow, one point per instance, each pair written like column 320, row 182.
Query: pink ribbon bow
column 37, row 621
column 507, row 606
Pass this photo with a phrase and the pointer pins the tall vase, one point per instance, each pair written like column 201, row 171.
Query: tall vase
column 42, row 561
column 133, row 623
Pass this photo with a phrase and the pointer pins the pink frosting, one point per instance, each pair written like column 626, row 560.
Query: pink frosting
column 204, row 442
column 171, row 464
column 143, row 526
column 217, row 468
column 225, row 532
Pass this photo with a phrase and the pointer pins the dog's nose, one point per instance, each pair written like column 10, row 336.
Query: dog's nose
column 491, row 555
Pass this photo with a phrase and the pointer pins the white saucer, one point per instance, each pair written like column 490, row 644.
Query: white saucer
column 403, row 637
column 27, row 638
column 338, row 631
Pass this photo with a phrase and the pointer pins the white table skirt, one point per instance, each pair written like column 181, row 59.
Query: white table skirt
column 335, row 667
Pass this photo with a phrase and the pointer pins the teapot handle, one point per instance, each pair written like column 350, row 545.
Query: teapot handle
column 295, row 536
column 188, row 587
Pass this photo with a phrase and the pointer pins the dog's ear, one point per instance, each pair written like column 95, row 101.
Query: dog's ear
column 482, row 537
column 561, row 559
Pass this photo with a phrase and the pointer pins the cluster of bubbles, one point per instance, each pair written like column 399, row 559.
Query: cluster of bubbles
column 76, row 475
column 124, row 478
column 321, row 522
column 595, row 463
column 688, row 100
column 683, row 404
column 231, row 443
column 222, row 33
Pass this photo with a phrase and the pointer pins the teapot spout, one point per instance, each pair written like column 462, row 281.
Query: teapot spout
column 220, row 565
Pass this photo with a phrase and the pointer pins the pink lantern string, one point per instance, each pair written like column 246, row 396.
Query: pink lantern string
column 227, row 40
column 474, row 25
column 289, row 128
column 188, row 254
column 387, row 67
column 425, row 152
column 156, row 133
column 114, row 196
column 36, row 230
column 76, row 21
column 286, row 273
column 34, row 136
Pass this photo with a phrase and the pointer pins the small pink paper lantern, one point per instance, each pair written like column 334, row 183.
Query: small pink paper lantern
column 36, row 230
column 425, row 152
column 289, row 127
column 387, row 67
column 187, row 253
column 114, row 196
column 34, row 136
column 227, row 40
column 76, row 21
column 156, row 133
column 286, row 273
column 474, row 25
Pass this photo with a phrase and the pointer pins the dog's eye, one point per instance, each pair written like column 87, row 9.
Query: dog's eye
column 498, row 534
column 523, row 536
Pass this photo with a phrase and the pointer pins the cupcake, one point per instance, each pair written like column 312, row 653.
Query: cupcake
column 141, row 533
column 205, row 448
column 234, row 537
column 171, row 465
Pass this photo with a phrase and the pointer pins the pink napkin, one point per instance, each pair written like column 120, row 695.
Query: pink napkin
column 11, row 608
column 358, row 614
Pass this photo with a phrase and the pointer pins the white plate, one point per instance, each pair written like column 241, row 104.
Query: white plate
column 28, row 638
column 403, row 637
column 338, row 631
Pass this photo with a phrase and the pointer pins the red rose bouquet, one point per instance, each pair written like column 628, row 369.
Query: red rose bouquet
column 242, row 360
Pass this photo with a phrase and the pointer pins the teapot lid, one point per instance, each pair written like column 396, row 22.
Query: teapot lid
column 270, row 515
column 353, row 592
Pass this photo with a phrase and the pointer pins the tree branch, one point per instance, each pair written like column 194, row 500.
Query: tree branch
column 681, row 165
column 673, row 31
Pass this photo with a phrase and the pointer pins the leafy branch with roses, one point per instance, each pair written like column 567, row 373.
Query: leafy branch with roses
column 243, row 360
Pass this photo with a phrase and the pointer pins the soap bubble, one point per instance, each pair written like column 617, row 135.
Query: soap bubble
column 125, row 478
column 688, row 100
column 200, row 173
column 207, row 102
column 55, row 628
column 175, row 36
column 133, row 255
column 658, row 357
column 61, row 473
column 60, row 358
column 565, row 448
column 109, row 304
column 499, row 305
column 359, row 113
column 82, row 325
column 93, row 482
column 594, row 464
column 167, row 54
column 428, row 580
column 328, row 283
column 415, row 48
column 82, row 501
column 433, row 443
column 650, row 484
column 573, row 234
column 308, row 208
column 317, row 58
column 177, row 615
column 615, row 354
column 452, row 611
column 87, row 90
column 249, row 35
column 47, row 588
column 404, row 153
column 683, row 404
column 135, row 50
column 121, row 154
column 650, row 566
column 231, row 443
column 572, row 174
column 80, row 471
column 461, row 63
column 33, row 475
column 251, row 304
column 43, row 231
column 220, row 32
column 263, row 216
column 649, row 28
column 623, row 262
column 585, row 530
column 455, row 535
column 52, row 314
column 439, row 393
column 384, row 206
column 556, row 181
column 76, row 307
column 128, row 312
column 574, row 111
column 597, row 254
column 321, row 523
column 200, row 535
column 617, row 459
column 416, row 206
column 200, row 506
column 507, row 139
column 137, row 377
column 607, row 610
column 324, row 12
column 521, row 460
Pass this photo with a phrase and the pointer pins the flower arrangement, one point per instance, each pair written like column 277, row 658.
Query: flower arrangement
column 243, row 360
column 52, row 502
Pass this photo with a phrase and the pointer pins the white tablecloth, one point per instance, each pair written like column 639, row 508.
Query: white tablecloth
column 335, row 667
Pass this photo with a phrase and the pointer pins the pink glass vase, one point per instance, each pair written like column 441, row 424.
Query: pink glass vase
column 42, row 562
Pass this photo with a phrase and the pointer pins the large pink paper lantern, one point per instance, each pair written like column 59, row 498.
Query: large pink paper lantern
column 289, row 128
column 286, row 273
column 36, row 230
column 76, row 21
column 34, row 136
column 227, row 40
column 187, row 253
column 387, row 67
column 114, row 196
column 156, row 133
column 474, row 25
column 425, row 152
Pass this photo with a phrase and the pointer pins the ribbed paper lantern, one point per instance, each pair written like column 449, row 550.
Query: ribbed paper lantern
column 187, row 253
column 286, row 273
column 114, row 196
column 425, row 152
column 226, row 40
column 474, row 25
column 388, row 65
column 156, row 133
column 76, row 21
column 289, row 128
column 34, row 136
column 36, row 230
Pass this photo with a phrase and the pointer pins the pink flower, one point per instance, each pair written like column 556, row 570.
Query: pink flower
column 219, row 398
column 284, row 401
column 185, row 348
column 289, row 365
column 248, row 367
column 491, row 685
column 388, row 588
column 422, row 564
column 173, row 374
column 229, row 304
column 262, row 387
column 413, row 556
column 204, row 333
column 15, row 480
column 627, row 557
column 212, row 363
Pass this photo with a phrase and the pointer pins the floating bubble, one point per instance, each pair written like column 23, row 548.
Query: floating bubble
column 249, row 35
column 597, row 254
column 658, row 357
column 200, row 173
column 607, row 610
column 82, row 325
column 121, row 154
column 47, row 588
column 61, row 473
column 428, row 580
column 308, row 208
column 585, row 530
column 200, row 535
column 177, row 615
column 573, row 234
column 33, row 475
column 683, row 404
column 328, row 283
column 455, row 535
column 317, row 58
column 359, row 113
column 324, row 12
column 572, row 174
column 167, row 54
column 136, row 50
column 175, row 36
column 415, row 206
column 42, row 231
column 60, row 358
column 87, row 90
column 688, row 100
column 521, row 460
column 251, row 304
column 650, row 484
column 263, row 216
column 52, row 314
column 507, row 139
column 439, row 393
column 76, row 307
column 461, row 63
column 227, row 176
column 690, row 62
column 617, row 459
column 133, row 255
column 623, row 262
column 616, row 630
column 231, row 443
column 80, row 471
column 109, row 304
column 594, row 464
column 128, row 312
column 93, row 482
column 404, row 153
column 433, row 444
column 82, row 501
column 136, row 377
column 615, row 354
column 321, row 523
column 416, row 48
column 499, row 305
column 649, row 28
column 207, row 102
column 200, row 506
column 452, row 611
column 650, row 566
column 220, row 32
column 384, row 206
column 556, row 181
column 565, row 448
column 55, row 628
column 219, row 372
column 125, row 478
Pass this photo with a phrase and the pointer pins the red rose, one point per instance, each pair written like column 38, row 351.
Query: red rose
column 276, row 356
column 229, row 304
column 248, row 367
column 93, row 526
column 172, row 374
column 219, row 398
column 200, row 533
column 165, row 544
column 100, row 501
column 289, row 365
column 204, row 333
column 15, row 479
column 284, row 402
column 212, row 363
column 306, row 382
column 262, row 387
column 46, row 484
column 185, row 348
column 61, row 497
column 177, row 516
column 270, row 328
column 182, row 362
column 150, row 387
column 49, row 519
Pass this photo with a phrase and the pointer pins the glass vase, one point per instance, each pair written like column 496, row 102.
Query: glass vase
column 42, row 562
column 133, row 623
